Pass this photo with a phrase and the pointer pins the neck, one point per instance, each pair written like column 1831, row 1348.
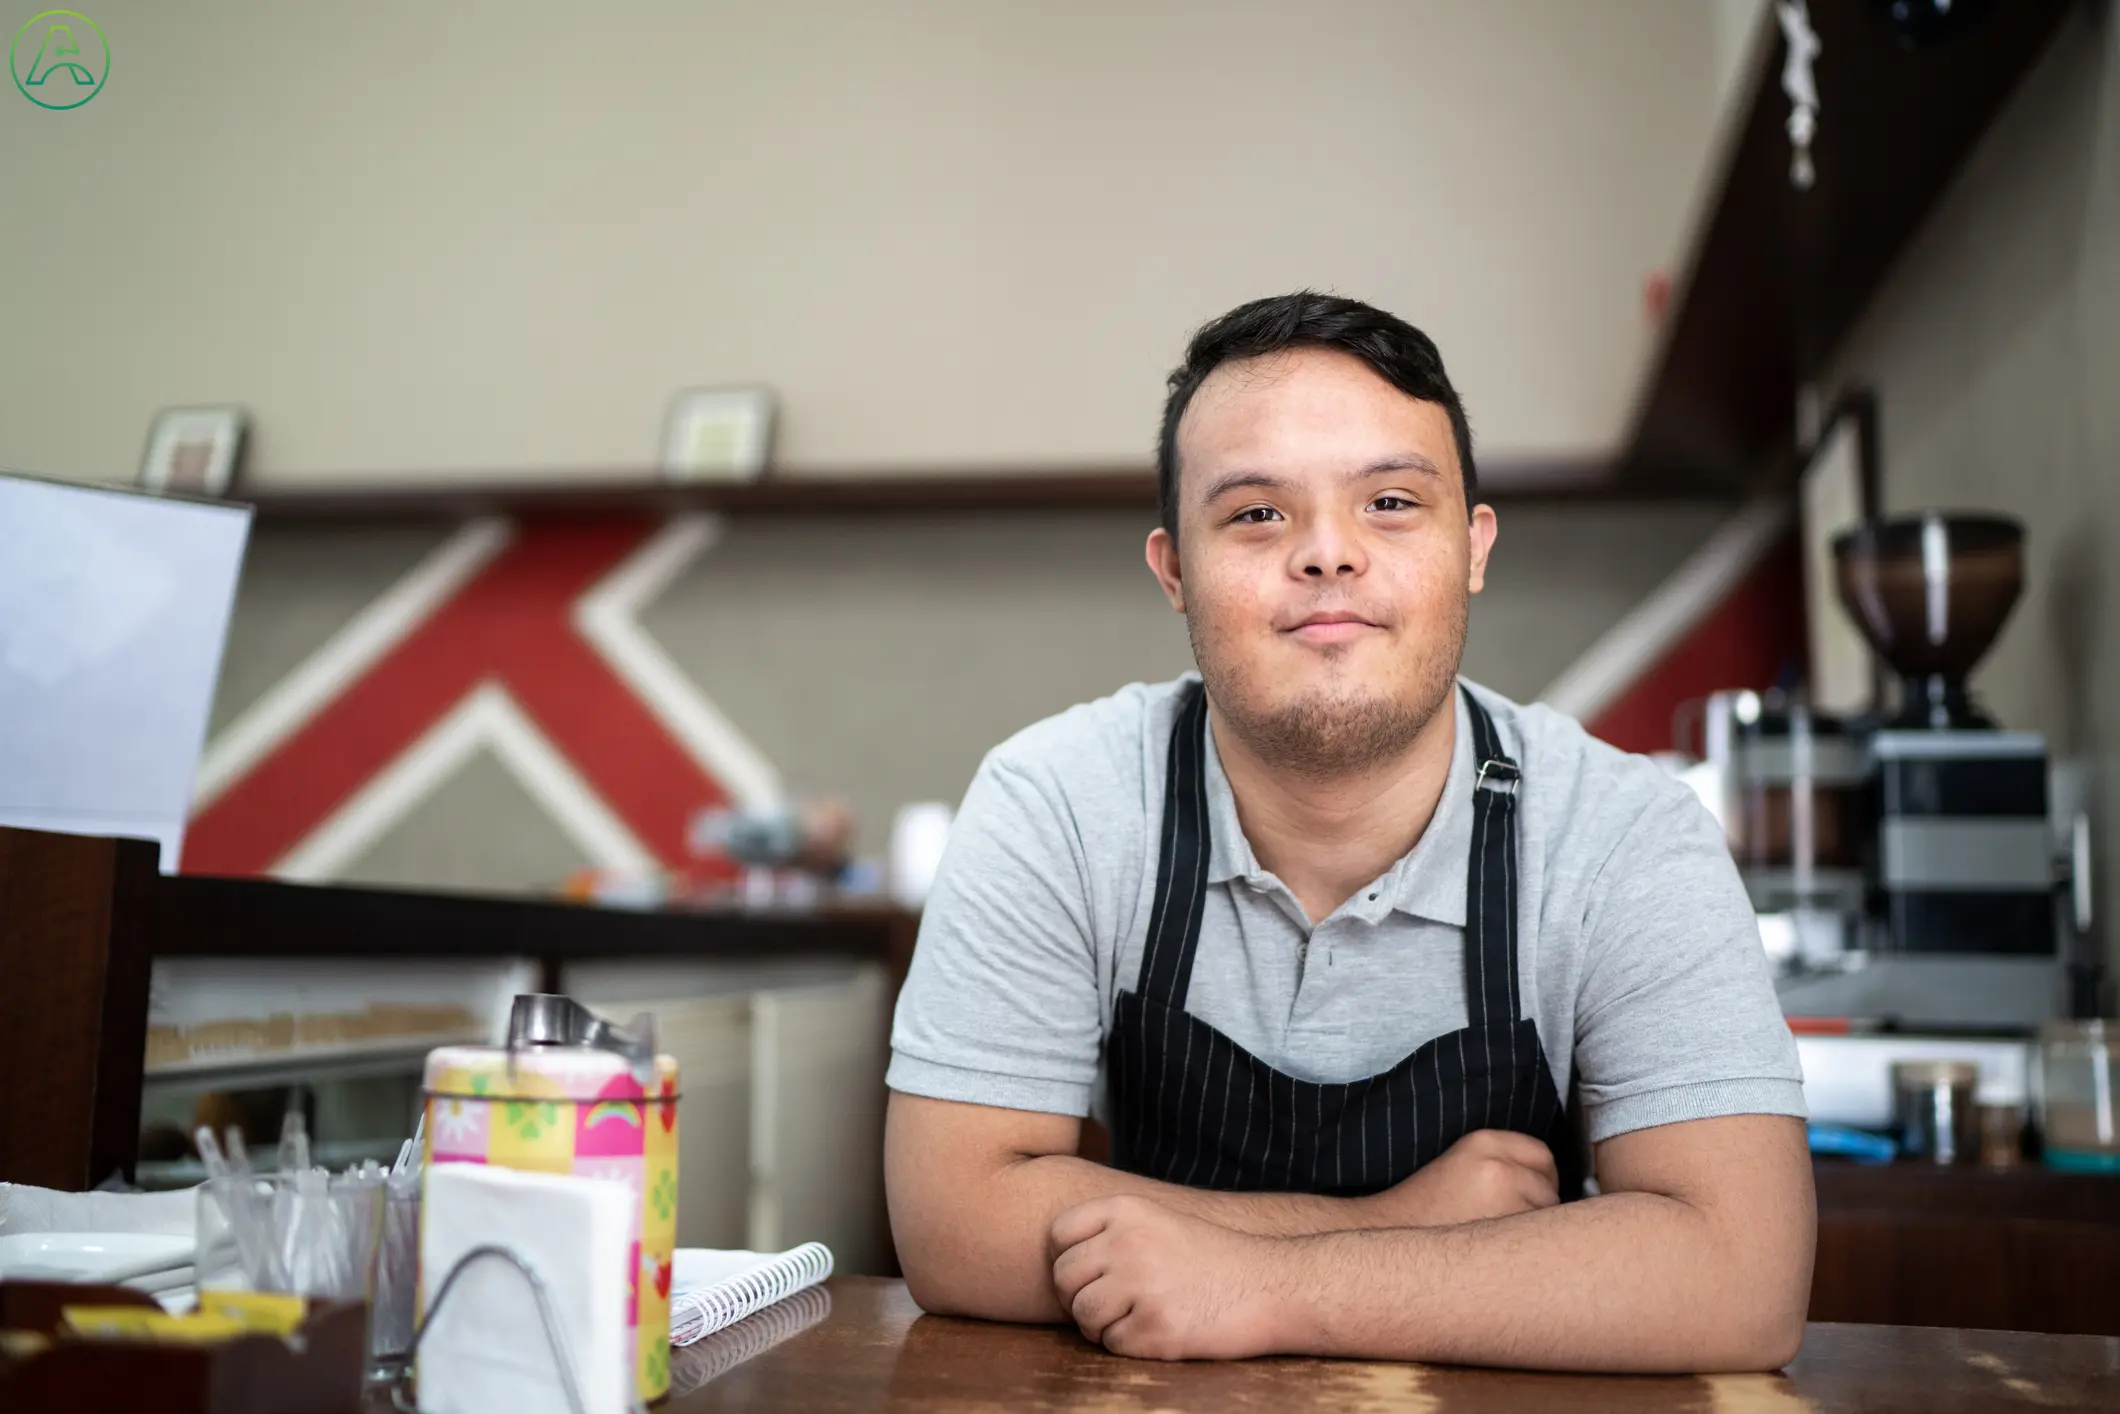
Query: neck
column 1325, row 839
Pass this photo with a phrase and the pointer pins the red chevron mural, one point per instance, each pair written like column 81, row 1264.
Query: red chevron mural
column 512, row 624
column 523, row 641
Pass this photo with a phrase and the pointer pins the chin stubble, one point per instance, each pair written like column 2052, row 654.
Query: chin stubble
column 1332, row 734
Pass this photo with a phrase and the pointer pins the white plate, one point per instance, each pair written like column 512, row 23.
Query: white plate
column 90, row 1256
column 154, row 1283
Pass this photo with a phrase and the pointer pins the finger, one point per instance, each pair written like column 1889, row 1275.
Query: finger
column 1516, row 1148
column 1539, row 1190
column 1487, row 1144
column 1079, row 1224
column 1539, row 1159
column 1123, row 1336
column 1527, row 1153
column 1098, row 1305
column 1077, row 1267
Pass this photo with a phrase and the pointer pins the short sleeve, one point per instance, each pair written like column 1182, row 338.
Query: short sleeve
column 1000, row 1006
column 1676, row 1017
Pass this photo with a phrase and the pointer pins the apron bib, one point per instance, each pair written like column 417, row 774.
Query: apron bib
column 1190, row 1106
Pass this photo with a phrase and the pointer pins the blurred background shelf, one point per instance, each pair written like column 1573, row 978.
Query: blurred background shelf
column 614, row 491
column 200, row 915
column 308, row 1064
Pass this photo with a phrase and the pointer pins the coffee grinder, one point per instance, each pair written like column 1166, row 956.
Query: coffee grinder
column 1958, row 852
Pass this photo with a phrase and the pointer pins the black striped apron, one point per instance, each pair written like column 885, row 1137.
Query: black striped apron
column 1191, row 1106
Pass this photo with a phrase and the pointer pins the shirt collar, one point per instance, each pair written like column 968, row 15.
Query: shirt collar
column 1428, row 881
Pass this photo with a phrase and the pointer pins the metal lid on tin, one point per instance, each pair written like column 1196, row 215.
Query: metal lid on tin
column 548, row 1019
column 559, row 1048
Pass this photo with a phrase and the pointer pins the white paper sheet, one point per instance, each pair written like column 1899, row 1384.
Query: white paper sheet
column 113, row 613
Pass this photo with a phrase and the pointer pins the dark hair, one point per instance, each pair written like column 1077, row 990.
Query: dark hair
column 1402, row 356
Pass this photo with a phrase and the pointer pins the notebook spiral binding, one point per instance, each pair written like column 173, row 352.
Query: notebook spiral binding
column 715, row 1355
column 730, row 1301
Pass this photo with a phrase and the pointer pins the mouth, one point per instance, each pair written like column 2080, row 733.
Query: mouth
column 1331, row 627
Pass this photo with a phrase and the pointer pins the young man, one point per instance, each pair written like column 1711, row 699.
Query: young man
column 1325, row 936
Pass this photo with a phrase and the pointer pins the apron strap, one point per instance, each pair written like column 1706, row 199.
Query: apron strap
column 1181, row 860
column 1492, row 995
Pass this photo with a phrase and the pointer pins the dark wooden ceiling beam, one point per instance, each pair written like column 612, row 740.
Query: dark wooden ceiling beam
column 1775, row 277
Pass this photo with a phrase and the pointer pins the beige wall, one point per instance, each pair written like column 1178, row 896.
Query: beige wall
column 487, row 237
column 490, row 236
column 1995, row 348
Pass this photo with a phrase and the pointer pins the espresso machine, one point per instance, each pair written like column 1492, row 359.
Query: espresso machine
column 1957, row 853
column 1793, row 783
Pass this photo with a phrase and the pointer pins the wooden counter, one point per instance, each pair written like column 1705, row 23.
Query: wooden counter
column 869, row 1347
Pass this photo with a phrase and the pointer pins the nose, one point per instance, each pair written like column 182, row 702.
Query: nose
column 1333, row 549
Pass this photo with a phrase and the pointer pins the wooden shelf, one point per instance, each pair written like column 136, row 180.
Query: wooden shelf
column 252, row 1069
column 603, row 493
column 1775, row 277
column 203, row 915
column 794, row 494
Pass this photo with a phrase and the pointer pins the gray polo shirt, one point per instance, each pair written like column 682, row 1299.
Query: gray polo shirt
column 1640, row 957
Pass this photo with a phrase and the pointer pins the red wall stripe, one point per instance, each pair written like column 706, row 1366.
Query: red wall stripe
column 1747, row 640
column 511, row 624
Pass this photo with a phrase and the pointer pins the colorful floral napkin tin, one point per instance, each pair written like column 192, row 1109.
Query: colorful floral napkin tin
column 573, row 1110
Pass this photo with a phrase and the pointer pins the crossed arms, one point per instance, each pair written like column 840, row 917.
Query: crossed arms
column 1696, row 1256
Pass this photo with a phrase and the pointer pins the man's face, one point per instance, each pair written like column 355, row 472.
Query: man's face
column 1325, row 558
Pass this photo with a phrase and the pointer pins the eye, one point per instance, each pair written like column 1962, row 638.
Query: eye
column 1255, row 515
column 1394, row 503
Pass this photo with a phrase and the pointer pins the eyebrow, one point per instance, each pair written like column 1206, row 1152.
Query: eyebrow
column 1266, row 481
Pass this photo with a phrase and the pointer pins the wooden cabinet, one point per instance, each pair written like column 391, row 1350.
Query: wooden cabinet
column 2017, row 1249
column 73, row 1005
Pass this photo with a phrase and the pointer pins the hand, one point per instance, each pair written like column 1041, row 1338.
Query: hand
column 1144, row 1280
column 1490, row 1173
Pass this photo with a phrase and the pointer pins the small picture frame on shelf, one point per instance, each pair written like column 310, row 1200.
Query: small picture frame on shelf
column 194, row 451
column 718, row 434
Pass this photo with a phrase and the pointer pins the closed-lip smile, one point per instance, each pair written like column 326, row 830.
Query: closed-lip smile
column 1330, row 626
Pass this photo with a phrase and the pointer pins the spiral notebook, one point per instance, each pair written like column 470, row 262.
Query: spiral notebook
column 711, row 1288
column 712, row 1356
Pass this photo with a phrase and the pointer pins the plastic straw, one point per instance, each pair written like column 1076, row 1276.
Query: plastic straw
column 294, row 1142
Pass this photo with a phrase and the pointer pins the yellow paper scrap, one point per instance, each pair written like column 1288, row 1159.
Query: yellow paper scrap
column 260, row 1312
column 145, row 1323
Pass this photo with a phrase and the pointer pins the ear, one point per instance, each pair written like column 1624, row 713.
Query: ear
column 1482, row 529
column 1163, row 564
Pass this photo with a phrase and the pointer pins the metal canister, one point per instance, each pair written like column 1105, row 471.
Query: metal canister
column 572, row 1094
column 1933, row 1110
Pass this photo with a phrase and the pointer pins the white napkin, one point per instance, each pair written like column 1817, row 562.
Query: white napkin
column 487, row 1349
column 24, row 1208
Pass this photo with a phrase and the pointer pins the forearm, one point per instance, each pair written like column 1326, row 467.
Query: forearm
column 986, row 1253
column 1625, row 1282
